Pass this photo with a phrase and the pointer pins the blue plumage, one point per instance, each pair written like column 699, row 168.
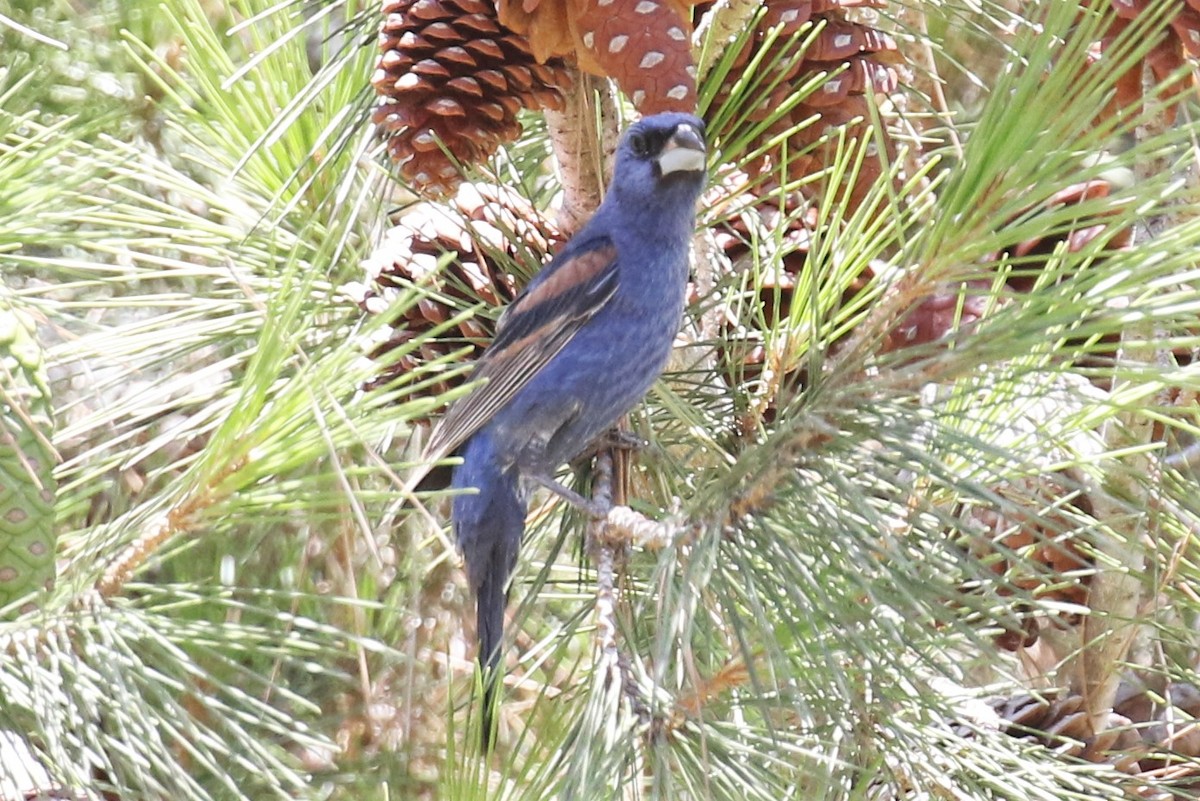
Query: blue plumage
column 576, row 350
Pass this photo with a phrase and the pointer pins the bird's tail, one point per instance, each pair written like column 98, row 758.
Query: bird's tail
column 488, row 525
column 490, row 602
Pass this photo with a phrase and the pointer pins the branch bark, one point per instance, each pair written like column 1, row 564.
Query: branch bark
column 584, row 138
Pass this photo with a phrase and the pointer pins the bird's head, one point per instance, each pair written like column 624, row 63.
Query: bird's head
column 661, row 158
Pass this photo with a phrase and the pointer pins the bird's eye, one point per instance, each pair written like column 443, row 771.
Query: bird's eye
column 640, row 144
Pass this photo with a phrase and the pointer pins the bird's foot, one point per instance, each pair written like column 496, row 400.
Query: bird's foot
column 614, row 439
column 621, row 440
column 593, row 509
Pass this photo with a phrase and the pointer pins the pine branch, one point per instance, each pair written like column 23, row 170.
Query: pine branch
column 584, row 139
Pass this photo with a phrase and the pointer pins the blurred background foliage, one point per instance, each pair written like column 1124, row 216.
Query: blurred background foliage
column 919, row 500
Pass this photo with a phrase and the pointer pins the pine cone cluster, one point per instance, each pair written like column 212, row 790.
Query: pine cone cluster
column 1177, row 38
column 483, row 228
column 644, row 45
column 857, row 61
column 1152, row 743
column 1034, row 546
column 753, row 220
column 1054, row 720
column 451, row 80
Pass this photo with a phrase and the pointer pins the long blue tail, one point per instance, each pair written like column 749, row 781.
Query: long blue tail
column 488, row 525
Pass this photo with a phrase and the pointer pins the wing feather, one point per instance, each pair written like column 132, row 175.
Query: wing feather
column 531, row 332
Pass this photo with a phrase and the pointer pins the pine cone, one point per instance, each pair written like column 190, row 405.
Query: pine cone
column 27, row 460
column 1055, row 720
column 483, row 227
column 1059, row 720
column 644, row 45
column 1032, row 254
column 753, row 226
column 857, row 59
column 1053, row 563
column 1176, row 40
column 1126, row 740
column 1167, row 718
column 450, row 81
column 940, row 314
column 1030, row 257
column 1167, row 715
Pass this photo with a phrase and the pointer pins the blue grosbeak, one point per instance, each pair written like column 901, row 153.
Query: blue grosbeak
column 576, row 350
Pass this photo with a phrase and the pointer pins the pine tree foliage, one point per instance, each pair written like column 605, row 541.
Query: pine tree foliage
column 251, row 601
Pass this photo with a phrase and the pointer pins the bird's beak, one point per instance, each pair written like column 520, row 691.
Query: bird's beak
column 683, row 152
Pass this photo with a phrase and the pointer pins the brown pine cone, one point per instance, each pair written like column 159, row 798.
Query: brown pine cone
column 945, row 312
column 483, row 227
column 1031, row 255
column 756, row 226
column 1168, row 716
column 1054, row 720
column 857, row 59
column 1168, row 711
column 942, row 313
column 777, row 233
column 1175, row 40
column 1059, row 720
column 644, row 45
column 450, row 81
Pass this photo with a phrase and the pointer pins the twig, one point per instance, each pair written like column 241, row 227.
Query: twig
column 605, row 557
column 928, row 74
column 1126, row 504
column 180, row 518
column 625, row 527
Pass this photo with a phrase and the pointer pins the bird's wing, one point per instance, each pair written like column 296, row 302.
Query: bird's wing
column 531, row 331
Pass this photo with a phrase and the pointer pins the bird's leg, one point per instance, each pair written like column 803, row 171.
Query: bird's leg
column 620, row 443
column 621, row 440
column 614, row 439
column 572, row 497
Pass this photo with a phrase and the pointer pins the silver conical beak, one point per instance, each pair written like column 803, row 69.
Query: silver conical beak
column 683, row 152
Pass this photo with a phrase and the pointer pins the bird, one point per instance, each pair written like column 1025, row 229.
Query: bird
column 574, row 351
